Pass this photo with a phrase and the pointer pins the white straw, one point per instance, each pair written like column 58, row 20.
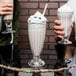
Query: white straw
column 45, row 9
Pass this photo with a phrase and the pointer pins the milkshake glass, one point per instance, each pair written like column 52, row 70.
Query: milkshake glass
column 36, row 31
column 65, row 14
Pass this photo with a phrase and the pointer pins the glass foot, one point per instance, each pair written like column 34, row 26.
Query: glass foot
column 64, row 41
column 36, row 64
column 7, row 32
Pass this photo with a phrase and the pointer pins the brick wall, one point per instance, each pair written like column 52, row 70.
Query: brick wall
column 27, row 8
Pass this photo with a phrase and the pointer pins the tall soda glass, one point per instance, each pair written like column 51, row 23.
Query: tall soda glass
column 36, row 30
column 65, row 16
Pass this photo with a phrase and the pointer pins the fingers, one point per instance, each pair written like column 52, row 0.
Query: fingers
column 57, row 25
column 59, row 34
column 58, row 29
column 57, row 22
column 7, row 13
column 6, row 8
column 6, row 4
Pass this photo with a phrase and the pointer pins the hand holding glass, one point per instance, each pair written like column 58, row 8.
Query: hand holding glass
column 66, row 21
column 8, row 21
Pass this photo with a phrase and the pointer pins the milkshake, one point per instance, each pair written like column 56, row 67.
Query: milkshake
column 36, row 30
column 65, row 14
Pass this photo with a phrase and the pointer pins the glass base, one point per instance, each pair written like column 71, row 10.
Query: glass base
column 7, row 32
column 36, row 64
column 64, row 41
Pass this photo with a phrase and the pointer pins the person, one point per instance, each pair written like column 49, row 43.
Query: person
column 66, row 53
column 9, row 53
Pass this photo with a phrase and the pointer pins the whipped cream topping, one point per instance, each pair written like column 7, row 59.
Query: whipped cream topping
column 65, row 8
column 37, row 18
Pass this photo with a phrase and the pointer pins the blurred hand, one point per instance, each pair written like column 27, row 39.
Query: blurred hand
column 6, row 8
column 58, row 29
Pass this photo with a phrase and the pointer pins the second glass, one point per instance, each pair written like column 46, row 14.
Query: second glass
column 66, row 21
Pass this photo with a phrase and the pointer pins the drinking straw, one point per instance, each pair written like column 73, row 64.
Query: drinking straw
column 45, row 9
